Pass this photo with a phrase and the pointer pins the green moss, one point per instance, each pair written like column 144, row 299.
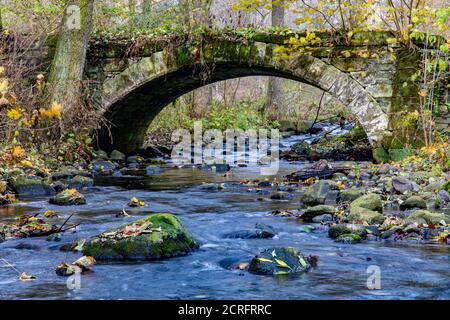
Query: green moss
column 351, row 235
column 168, row 239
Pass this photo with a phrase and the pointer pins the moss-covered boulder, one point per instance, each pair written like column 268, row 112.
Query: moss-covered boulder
column 362, row 214
column 319, row 210
column 68, row 197
column 346, row 228
column 428, row 217
column 278, row 261
column 302, row 148
column 369, row 201
column 317, row 193
column 158, row 236
column 31, row 186
column 414, row 202
column 349, row 195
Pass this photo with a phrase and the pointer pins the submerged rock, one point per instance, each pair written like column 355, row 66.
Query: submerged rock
column 348, row 238
column 31, row 186
column 277, row 261
column 80, row 182
column 319, row 210
column 261, row 231
column 158, row 236
column 68, row 197
column 103, row 166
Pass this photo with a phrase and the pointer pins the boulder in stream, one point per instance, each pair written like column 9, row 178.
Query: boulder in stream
column 261, row 231
column 278, row 261
column 320, row 169
column 158, row 236
column 31, row 186
column 68, row 197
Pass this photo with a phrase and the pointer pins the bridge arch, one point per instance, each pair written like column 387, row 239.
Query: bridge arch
column 132, row 98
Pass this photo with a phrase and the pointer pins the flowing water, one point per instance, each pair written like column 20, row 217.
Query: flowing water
column 408, row 270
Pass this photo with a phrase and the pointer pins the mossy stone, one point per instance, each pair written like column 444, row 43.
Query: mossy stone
column 172, row 240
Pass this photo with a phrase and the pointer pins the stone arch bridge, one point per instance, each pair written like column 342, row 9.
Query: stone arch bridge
column 133, row 80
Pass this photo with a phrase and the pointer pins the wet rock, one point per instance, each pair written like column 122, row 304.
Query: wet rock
column 80, row 182
column 59, row 186
column 212, row 186
column 348, row 238
column 362, row 214
column 349, row 195
column 339, row 176
column 433, row 186
column 444, row 196
column 277, row 261
column 316, row 194
column 384, row 169
column 302, row 148
column 402, row 185
column 117, row 156
column 323, row 218
column 102, row 166
column 320, row 169
column 100, row 154
column 421, row 216
column 367, row 208
column 261, row 231
column 413, row 202
column 68, row 197
column 155, row 237
column 390, row 233
column 346, row 228
column 219, row 167
column 153, row 170
column 318, row 210
column 233, row 263
column 281, row 195
column 31, row 186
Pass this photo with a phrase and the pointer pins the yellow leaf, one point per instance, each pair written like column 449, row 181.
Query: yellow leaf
column 265, row 260
column 282, row 264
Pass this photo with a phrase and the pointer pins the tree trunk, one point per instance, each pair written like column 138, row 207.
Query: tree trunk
column 274, row 102
column 68, row 62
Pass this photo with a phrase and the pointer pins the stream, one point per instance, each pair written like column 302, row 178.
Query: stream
column 408, row 270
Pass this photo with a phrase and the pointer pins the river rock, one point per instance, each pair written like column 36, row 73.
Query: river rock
column 281, row 195
column 320, row 169
column 323, row 218
column 302, row 148
column 31, row 186
column 317, row 193
column 348, row 238
column 277, row 261
column 367, row 208
column 444, row 196
column 349, row 195
column 318, row 210
column 153, row 170
column 103, row 166
column 218, row 167
column 162, row 236
column 80, row 182
column 117, row 156
column 369, row 201
column 68, row 197
column 428, row 217
column 346, row 228
column 413, row 202
column 100, row 154
column 402, row 185
column 261, row 231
